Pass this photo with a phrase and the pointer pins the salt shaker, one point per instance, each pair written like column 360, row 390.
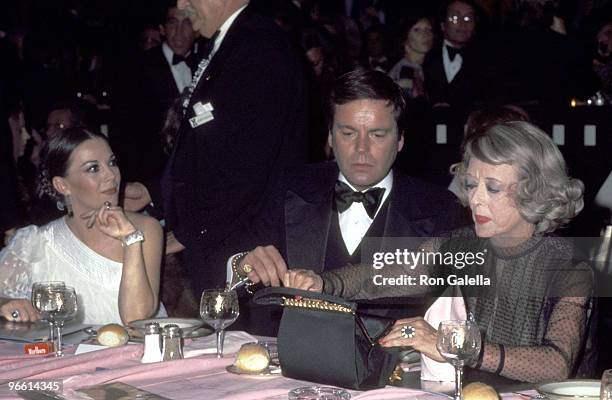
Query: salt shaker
column 152, row 346
column 172, row 343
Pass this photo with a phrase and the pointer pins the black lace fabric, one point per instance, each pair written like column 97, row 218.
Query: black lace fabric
column 534, row 317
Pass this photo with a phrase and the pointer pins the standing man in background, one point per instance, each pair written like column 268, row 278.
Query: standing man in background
column 243, row 124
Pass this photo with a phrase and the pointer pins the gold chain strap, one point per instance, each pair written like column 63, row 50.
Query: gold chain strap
column 316, row 304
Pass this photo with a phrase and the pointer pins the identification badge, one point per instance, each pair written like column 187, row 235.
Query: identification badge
column 201, row 119
column 201, row 109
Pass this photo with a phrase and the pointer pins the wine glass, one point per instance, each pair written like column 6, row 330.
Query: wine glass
column 57, row 304
column 42, row 286
column 606, row 385
column 219, row 309
column 457, row 342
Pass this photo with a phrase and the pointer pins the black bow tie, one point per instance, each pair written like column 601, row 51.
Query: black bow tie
column 176, row 59
column 453, row 51
column 345, row 196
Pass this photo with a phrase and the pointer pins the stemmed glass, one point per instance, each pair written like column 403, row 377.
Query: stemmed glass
column 37, row 287
column 219, row 309
column 457, row 342
column 58, row 304
column 606, row 385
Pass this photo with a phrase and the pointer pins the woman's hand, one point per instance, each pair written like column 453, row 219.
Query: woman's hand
column 423, row 339
column 19, row 310
column 110, row 220
column 303, row 279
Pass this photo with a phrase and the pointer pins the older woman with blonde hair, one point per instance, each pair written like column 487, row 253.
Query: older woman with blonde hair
column 535, row 315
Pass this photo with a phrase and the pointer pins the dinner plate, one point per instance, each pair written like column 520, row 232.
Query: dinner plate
column 188, row 325
column 574, row 389
column 270, row 370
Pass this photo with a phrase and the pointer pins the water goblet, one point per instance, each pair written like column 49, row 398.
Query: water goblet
column 37, row 288
column 457, row 342
column 58, row 304
column 219, row 309
column 606, row 385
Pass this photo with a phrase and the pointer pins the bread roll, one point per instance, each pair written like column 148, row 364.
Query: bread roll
column 479, row 391
column 112, row 335
column 252, row 358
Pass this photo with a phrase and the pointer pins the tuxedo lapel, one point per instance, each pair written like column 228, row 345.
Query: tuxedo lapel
column 163, row 76
column 307, row 226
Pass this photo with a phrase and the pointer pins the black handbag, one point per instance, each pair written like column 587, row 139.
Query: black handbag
column 323, row 339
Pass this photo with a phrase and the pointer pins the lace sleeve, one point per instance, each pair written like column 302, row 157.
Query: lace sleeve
column 16, row 263
column 557, row 356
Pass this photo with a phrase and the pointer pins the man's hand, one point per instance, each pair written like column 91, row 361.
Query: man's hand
column 303, row 279
column 136, row 196
column 264, row 264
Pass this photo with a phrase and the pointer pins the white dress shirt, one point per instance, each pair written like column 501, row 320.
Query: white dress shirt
column 180, row 72
column 224, row 28
column 451, row 68
column 355, row 221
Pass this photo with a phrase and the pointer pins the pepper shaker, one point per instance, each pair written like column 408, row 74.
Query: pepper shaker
column 152, row 346
column 172, row 343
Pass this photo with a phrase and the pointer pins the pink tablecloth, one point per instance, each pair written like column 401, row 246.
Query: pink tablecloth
column 203, row 376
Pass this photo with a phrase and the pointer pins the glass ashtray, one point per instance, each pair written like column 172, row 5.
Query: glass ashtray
column 319, row 393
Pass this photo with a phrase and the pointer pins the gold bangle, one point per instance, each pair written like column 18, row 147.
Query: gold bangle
column 236, row 261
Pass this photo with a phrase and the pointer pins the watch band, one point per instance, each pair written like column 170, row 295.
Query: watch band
column 134, row 237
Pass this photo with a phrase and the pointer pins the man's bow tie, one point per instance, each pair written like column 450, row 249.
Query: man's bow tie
column 176, row 59
column 453, row 51
column 345, row 196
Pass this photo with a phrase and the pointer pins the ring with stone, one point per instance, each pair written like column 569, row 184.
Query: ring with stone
column 407, row 332
column 15, row 314
column 246, row 268
column 107, row 204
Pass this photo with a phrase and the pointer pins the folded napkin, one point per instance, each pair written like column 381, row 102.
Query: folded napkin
column 443, row 309
column 208, row 345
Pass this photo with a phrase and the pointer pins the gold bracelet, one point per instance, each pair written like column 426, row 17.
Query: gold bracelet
column 236, row 261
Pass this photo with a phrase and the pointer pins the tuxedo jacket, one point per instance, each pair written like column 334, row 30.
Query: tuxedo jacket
column 469, row 86
column 140, row 113
column 158, row 80
column 297, row 221
column 216, row 178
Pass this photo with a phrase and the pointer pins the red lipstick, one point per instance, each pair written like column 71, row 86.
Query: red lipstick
column 481, row 219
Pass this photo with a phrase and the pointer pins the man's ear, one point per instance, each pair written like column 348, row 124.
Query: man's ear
column 329, row 139
column 400, row 144
column 162, row 30
column 60, row 185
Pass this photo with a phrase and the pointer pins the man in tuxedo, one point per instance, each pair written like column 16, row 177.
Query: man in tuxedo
column 320, row 214
column 243, row 124
column 452, row 72
column 160, row 75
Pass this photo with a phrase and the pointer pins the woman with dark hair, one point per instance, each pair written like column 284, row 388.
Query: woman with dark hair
column 111, row 257
column 417, row 42
column 535, row 317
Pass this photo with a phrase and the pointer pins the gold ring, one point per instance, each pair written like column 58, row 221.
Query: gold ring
column 107, row 204
column 246, row 268
column 407, row 332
